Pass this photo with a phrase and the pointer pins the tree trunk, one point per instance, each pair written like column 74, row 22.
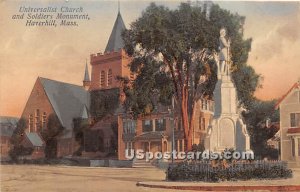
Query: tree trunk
column 186, row 121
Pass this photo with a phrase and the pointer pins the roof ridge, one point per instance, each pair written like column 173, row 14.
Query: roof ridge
column 297, row 84
column 60, row 82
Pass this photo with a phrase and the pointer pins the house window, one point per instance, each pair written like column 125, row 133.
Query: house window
column 293, row 147
column 201, row 123
column 180, row 145
column 295, row 119
column 202, row 104
column 129, row 126
column 298, row 146
column 109, row 77
column 37, row 120
column 133, row 126
column 177, row 124
column 160, row 124
column 44, row 120
column 125, row 124
column 147, row 125
column 30, row 123
column 102, row 78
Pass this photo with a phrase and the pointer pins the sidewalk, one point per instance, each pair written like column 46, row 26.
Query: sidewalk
column 292, row 184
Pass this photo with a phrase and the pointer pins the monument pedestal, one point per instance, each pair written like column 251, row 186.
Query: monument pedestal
column 227, row 129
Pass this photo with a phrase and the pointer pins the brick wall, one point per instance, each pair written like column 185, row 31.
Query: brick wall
column 37, row 100
column 117, row 62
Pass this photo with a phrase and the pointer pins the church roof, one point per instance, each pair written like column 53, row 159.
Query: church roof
column 34, row 139
column 86, row 73
column 115, row 41
column 68, row 101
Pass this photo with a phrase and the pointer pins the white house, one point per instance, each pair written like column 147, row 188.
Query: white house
column 289, row 106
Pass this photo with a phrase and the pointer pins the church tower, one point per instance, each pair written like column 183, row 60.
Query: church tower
column 86, row 79
column 113, row 62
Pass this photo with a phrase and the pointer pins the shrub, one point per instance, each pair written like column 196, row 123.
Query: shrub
column 203, row 171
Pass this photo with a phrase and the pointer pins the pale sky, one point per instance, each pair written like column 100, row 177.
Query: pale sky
column 59, row 53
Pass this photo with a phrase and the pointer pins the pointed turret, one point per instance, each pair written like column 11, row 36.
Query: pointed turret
column 115, row 41
column 86, row 80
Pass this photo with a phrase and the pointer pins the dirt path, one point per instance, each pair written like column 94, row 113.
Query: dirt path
column 30, row 178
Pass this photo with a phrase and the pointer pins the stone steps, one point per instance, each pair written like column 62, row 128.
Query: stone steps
column 142, row 164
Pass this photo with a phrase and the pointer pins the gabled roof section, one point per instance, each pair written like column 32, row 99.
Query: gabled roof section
column 296, row 85
column 8, row 125
column 115, row 41
column 34, row 139
column 67, row 100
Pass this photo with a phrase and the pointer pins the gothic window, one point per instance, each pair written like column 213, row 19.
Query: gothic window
column 37, row 120
column 30, row 123
column 44, row 120
column 109, row 77
column 295, row 119
column 102, row 78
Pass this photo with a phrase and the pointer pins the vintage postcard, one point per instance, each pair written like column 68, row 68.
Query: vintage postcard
column 129, row 95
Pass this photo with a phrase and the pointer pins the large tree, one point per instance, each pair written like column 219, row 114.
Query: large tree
column 256, row 116
column 50, row 135
column 172, row 49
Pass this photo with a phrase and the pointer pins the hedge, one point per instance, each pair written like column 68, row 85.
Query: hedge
column 204, row 171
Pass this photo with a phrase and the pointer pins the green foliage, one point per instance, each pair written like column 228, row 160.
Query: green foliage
column 114, row 138
column 94, row 141
column 18, row 151
column 51, row 134
column 198, row 148
column 18, row 134
column 204, row 172
column 256, row 116
column 104, row 102
column 80, row 125
column 16, row 140
column 184, row 39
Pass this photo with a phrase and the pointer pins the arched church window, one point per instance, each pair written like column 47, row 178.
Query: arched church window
column 44, row 120
column 102, row 78
column 37, row 120
column 30, row 123
column 109, row 77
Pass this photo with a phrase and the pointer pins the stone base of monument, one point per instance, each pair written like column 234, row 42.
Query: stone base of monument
column 227, row 129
